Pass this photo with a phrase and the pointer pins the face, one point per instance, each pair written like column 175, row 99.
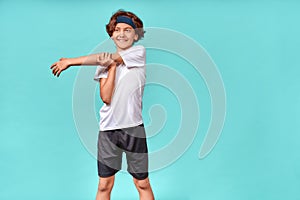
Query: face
column 124, row 36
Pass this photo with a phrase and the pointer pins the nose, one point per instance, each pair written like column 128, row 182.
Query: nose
column 121, row 33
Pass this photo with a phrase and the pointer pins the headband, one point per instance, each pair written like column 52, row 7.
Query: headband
column 126, row 20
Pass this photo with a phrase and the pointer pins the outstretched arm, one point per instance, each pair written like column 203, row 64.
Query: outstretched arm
column 93, row 59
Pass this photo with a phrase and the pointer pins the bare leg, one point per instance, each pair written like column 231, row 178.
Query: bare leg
column 104, row 188
column 144, row 189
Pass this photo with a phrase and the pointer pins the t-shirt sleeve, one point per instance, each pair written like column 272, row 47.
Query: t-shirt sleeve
column 101, row 72
column 134, row 56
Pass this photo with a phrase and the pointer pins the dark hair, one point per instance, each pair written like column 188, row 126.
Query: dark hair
column 110, row 27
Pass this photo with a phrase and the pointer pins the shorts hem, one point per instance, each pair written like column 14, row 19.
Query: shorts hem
column 107, row 175
column 144, row 176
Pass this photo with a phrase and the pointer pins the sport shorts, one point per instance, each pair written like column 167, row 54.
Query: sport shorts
column 113, row 143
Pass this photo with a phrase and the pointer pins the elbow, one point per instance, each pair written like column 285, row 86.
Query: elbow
column 105, row 99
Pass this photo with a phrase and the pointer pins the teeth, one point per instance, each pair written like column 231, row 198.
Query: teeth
column 122, row 40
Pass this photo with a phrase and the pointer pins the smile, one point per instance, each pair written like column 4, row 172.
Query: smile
column 122, row 40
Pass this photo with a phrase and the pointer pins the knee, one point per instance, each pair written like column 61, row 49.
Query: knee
column 142, row 184
column 105, row 186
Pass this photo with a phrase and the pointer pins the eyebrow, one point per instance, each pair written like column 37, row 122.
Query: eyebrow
column 126, row 27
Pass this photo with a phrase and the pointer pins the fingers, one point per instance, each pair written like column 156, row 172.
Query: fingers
column 105, row 56
column 56, row 69
column 53, row 65
column 104, row 59
column 108, row 56
column 58, row 73
column 101, row 56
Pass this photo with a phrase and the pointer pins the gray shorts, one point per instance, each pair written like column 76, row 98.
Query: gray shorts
column 113, row 143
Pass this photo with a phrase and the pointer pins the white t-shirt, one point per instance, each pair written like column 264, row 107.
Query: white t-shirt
column 125, row 109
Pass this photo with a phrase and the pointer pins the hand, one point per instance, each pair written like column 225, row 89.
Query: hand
column 105, row 59
column 60, row 66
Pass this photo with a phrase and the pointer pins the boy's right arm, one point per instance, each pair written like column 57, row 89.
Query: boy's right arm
column 107, row 85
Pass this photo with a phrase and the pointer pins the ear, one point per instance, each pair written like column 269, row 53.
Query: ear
column 136, row 37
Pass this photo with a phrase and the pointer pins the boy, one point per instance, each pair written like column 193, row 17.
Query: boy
column 122, row 78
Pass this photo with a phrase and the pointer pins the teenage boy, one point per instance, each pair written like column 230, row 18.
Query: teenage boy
column 122, row 79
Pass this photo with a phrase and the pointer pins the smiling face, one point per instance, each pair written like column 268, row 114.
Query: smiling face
column 124, row 36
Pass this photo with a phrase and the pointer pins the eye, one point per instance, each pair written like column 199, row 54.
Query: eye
column 128, row 30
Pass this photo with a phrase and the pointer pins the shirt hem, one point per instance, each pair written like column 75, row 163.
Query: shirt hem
column 121, row 126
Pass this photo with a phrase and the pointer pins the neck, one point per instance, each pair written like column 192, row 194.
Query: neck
column 119, row 49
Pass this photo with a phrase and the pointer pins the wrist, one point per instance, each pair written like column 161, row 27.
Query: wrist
column 69, row 62
column 116, row 57
column 112, row 66
column 74, row 61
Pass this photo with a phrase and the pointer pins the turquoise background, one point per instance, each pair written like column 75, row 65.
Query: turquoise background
column 255, row 45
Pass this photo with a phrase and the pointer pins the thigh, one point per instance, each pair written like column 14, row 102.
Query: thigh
column 109, row 154
column 135, row 146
